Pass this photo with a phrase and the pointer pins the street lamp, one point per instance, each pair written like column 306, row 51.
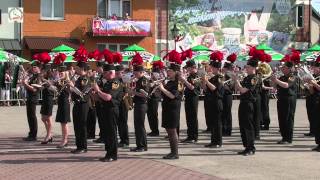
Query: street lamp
column 176, row 35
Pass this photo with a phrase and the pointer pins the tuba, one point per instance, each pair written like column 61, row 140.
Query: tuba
column 264, row 70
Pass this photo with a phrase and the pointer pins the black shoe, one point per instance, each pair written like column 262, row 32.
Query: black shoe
column 29, row 139
column 48, row 141
column 309, row 134
column 78, row 151
column 190, row 141
column 283, row 142
column 62, row 146
column 171, row 156
column 107, row 159
column 316, row 148
column 153, row 134
column 248, row 152
column 136, row 149
column 99, row 140
column 212, row 145
column 264, row 128
column 91, row 137
column 257, row 138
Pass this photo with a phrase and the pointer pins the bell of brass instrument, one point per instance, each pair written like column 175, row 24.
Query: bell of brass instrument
column 264, row 70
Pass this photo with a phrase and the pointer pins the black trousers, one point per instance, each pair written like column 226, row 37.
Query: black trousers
column 265, row 109
column 207, row 113
column 227, row 114
column 152, row 114
column 246, row 123
column 139, row 114
column 316, row 122
column 311, row 104
column 80, row 115
column 99, row 111
column 91, row 122
column 123, row 124
column 286, row 109
column 110, row 115
column 191, row 109
column 216, row 121
column 32, row 118
column 257, row 116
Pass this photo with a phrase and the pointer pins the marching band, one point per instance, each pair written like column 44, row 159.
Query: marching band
column 111, row 91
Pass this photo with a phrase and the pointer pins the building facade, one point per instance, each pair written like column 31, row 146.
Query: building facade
column 97, row 24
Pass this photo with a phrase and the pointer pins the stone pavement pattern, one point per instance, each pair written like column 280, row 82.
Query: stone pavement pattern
column 272, row 161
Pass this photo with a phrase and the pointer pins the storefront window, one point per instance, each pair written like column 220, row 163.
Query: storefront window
column 112, row 47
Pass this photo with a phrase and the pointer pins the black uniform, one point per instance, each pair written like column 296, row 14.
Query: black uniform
column 171, row 107
column 191, row 107
column 109, row 114
column 92, row 118
column 265, row 105
column 140, row 109
column 286, row 106
column 63, row 111
column 227, row 106
column 315, row 111
column 216, row 107
column 246, row 112
column 31, row 103
column 257, row 108
column 152, row 113
column 47, row 101
column 80, row 113
column 123, row 116
column 99, row 110
column 311, row 104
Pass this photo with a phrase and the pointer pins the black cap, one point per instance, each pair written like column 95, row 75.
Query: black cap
column 228, row 65
column 119, row 68
column 252, row 62
column 100, row 64
column 216, row 64
column 46, row 67
column 62, row 68
column 156, row 70
column 108, row 67
column 190, row 63
column 36, row 63
column 138, row 68
column 83, row 65
column 289, row 64
column 174, row 67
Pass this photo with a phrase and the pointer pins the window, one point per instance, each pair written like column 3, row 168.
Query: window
column 108, row 8
column 112, row 47
column 52, row 9
column 299, row 16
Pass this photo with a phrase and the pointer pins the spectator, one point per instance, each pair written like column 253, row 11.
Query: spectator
column 5, row 91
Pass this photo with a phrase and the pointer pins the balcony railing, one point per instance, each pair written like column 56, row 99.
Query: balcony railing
column 119, row 27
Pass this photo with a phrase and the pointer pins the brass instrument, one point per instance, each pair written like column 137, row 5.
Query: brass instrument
column 157, row 85
column 128, row 102
column 264, row 70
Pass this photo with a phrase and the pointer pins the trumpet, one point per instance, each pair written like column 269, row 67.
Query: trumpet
column 157, row 85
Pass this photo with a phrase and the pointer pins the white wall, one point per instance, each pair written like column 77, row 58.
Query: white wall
column 315, row 31
column 8, row 30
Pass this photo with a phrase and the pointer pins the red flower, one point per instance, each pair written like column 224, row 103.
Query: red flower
column 232, row 57
column 117, row 57
column 286, row 58
column 252, row 50
column 96, row 54
column 216, row 56
column 137, row 60
column 318, row 59
column 186, row 54
column 108, row 56
column 174, row 57
column 44, row 57
column 158, row 65
column 295, row 56
column 36, row 56
column 81, row 54
column 60, row 58
column 267, row 58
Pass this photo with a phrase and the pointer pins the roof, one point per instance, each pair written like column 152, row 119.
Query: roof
column 10, row 44
column 48, row 43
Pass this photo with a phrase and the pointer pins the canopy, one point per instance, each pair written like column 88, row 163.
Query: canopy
column 314, row 48
column 200, row 48
column 6, row 56
column 134, row 47
column 264, row 46
column 62, row 48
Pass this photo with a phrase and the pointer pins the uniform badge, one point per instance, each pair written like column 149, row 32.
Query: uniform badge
column 144, row 83
column 115, row 86
column 291, row 79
